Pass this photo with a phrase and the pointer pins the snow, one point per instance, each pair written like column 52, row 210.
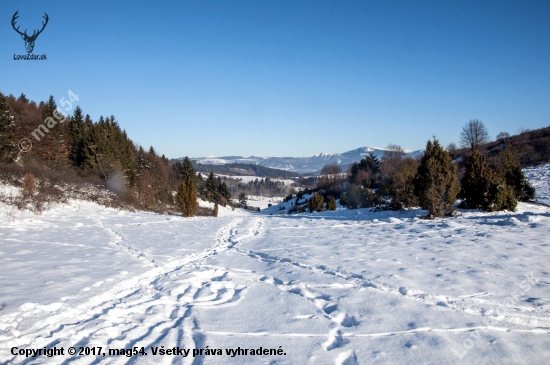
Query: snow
column 343, row 287
column 222, row 211
column 263, row 202
column 540, row 178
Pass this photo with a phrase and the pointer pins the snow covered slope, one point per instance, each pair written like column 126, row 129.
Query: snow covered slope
column 344, row 287
column 540, row 178
column 301, row 164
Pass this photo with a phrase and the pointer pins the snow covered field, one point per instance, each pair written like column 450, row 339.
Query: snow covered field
column 263, row 202
column 344, row 287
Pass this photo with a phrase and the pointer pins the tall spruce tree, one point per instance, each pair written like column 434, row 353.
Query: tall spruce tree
column 185, row 168
column 76, row 133
column 187, row 197
column 436, row 184
column 211, row 186
column 7, row 145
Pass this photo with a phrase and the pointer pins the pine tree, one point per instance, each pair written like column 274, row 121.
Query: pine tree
column 211, row 186
column 436, row 184
column 316, row 203
column 331, row 203
column 224, row 193
column 55, row 148
column 185, row 169
column 187, row 197
column 200, row 186
column 509, row 169
column 23, row 98
column 215, row 210
column 500, row 196
column 7, row 145
column 483, row 188
column 242, row 200
column 76, row 133
column 367, row 172
column 370, row 163
column 477, row 180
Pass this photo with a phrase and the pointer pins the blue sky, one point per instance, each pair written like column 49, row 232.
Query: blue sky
column 288, row 78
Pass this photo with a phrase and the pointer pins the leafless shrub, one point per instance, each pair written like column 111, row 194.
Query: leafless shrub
column 29, row 185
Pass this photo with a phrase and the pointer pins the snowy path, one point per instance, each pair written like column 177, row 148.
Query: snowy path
column 333, row 288
column 145, row 309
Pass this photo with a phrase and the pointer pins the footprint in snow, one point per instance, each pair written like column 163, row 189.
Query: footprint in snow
column 345, row 320
column 346, row 358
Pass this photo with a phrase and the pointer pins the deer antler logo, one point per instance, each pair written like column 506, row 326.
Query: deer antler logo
column 29, row 40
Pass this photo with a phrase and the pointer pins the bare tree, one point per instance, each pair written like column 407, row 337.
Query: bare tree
column 473, row 134
column 330, row 169
column 451, row 147
column 330, row 177
column 394, row 152
column 392, row 159
column 503, row 135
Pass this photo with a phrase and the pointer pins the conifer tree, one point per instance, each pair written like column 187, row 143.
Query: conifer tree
column 509, row 169
column 187, row 197
column 436, row 184
column 23, row 98
column 483, row 188
column 200, row 186
column 371, row 163
column 316, row 203
column 211, row 186
column 7, row 144
column 366, row 172
column 331, row 203
column 477, row 180
column 76, row 134
column 185, row 168
column 243, row 200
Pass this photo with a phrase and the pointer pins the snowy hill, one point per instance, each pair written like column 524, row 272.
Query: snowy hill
column 301, row 164
column 343, row 287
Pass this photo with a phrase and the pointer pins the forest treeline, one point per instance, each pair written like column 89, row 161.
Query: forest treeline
column 261, row 187
column 486, row 176
column 77, row 149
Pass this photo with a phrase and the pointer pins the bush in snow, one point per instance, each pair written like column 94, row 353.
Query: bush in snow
column 331, row 203
column 316, row 203
column 436, row 184
column 29, row 185
column 509, row 169
column 483, row 188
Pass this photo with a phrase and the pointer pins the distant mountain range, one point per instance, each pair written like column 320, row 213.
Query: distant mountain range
column 301, row 164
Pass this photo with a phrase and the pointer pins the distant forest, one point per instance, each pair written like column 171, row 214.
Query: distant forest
column 262, row 187
column 37, row 141
column 240, row 169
